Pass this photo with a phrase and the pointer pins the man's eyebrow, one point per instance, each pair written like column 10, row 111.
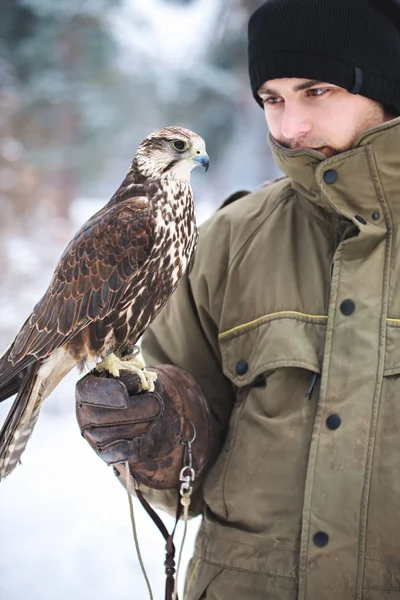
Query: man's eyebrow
column 307, row 85
column 298, row 88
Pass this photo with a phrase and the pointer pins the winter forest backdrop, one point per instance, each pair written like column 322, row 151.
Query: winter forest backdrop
column 81, row 83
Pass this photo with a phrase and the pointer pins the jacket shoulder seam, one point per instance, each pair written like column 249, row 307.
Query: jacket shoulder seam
column 253, row 230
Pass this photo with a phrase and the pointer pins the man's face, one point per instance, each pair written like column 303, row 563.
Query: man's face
column 304, row 113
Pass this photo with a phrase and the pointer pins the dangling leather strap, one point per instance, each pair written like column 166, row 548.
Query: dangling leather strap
column 169, row 546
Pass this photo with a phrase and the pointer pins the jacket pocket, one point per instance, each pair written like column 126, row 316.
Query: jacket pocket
column 284, row 339
column 199, row 576
column 281, row 350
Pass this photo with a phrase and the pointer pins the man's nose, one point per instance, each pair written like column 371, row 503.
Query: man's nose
column 295, row 123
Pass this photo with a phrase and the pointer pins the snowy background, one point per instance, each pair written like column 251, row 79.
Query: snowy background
column 81, row 83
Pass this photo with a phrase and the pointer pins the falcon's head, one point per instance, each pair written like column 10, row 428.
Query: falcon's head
column 169, row 152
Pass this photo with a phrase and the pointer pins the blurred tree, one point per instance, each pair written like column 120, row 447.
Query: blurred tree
column 59, row 62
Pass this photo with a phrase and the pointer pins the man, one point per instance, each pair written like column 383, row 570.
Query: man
column 289, row 323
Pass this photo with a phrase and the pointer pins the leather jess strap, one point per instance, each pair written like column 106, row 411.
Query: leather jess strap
column 169, row 544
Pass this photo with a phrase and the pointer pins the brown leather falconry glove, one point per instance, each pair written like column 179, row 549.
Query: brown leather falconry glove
column 148, row 429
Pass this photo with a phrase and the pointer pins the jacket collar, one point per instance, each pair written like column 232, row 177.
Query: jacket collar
column 368, row 175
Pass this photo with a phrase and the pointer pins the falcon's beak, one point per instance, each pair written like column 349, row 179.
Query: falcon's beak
column 202, row 159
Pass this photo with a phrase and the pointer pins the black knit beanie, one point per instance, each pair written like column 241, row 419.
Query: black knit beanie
column 354, row 44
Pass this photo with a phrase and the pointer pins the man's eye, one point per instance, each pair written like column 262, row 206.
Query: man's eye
column 317, row 92
column 271, row 100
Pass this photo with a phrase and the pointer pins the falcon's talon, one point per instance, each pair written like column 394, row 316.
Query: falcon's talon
column 151, row 377
column 131, row 359
column 113, row 364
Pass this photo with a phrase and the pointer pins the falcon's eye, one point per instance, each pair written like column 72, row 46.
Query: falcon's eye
column 179, row 145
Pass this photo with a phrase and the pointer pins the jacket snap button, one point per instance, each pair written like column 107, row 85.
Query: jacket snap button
column 376, row 215
column 241, row 367
column 347, row 307
column 321, row 539
column 331, row 176
column 333, row 421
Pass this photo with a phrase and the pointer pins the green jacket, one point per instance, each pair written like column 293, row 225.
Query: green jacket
column 290, row 322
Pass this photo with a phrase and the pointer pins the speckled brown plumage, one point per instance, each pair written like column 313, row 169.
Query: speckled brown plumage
column 113, row 278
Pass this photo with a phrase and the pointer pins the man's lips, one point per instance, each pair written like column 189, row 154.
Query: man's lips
column 304, row 147
column 326, row 150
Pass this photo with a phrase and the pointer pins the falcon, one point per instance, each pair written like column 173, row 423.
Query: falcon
column 109, row 284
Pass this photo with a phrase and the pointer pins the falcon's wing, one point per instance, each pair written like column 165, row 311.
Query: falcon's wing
column 90, row 276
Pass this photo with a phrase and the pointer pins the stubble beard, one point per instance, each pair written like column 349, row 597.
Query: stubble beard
column 375, row 116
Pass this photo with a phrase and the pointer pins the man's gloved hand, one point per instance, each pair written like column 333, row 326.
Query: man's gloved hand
column 148, row 429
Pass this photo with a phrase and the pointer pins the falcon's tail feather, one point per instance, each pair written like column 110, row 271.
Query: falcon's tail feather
column 12, row 386
column 19, row 424
column 39, row 381
column 11, row 377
